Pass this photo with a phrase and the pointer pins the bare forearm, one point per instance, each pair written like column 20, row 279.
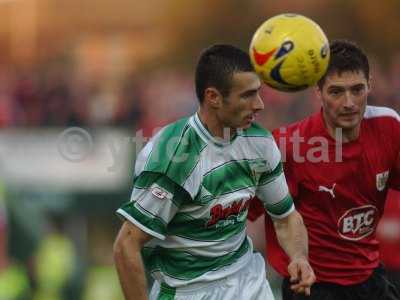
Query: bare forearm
column 128, row 261
column 292, row 236
column 131, row 274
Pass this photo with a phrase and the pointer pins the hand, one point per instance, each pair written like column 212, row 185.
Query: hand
column 301, row 276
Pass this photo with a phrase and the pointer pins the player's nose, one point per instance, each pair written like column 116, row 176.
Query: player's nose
column 348, row 100
column 258, row 103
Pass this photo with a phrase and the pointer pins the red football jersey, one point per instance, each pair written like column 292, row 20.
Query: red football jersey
column 339, row 191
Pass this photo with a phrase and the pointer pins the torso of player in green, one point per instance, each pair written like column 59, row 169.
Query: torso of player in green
column 191, row 192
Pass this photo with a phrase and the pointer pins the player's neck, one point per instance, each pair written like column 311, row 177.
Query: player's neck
column 211, row 123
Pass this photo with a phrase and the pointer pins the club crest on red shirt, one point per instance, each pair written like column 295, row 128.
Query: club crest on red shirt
column 381, row 180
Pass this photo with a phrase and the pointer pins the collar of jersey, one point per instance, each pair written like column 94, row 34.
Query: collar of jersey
column 206, row 135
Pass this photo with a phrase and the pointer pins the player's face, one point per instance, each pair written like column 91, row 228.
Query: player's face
column 344, row 98
column 239, row 109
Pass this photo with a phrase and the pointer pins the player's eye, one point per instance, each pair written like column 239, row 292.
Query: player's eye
column 249, row 94
column 335, row 92
column 357, row 90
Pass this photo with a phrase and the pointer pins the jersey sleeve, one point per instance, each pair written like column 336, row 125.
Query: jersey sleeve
column 273, row 190
column 154, row 202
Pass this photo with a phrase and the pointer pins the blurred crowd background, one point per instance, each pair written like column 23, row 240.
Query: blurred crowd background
column 116, row 68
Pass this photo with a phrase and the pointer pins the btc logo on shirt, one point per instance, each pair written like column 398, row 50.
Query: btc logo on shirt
column 358, row 222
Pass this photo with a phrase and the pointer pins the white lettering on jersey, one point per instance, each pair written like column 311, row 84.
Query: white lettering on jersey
column 358, row 222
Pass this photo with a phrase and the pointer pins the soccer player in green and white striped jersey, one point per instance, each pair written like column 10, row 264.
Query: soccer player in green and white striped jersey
column 186, row 221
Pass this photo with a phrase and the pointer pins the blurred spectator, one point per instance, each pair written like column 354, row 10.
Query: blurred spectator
column 102, row 284
column 102, row 280
column 58, row 95
column 14, row 282
column 55, row 263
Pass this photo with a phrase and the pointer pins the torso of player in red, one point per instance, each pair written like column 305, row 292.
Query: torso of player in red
column 340, row 192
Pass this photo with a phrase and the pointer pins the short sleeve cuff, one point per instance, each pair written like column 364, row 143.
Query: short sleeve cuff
column 284, row 215
column 281, row 209
column 149, row 224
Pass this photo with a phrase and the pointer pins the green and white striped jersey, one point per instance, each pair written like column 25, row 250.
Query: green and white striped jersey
column 192, row 191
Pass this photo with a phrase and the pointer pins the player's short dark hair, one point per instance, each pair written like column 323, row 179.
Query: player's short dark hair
column 216, row 67
column 345, row 56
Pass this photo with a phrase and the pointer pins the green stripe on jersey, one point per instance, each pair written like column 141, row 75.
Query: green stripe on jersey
column 146, row 179
column 268, row 177
column 280, row 207
column 154, row 223
column 176, row 152
column 166, row 292
column 184, row 266
column 229, row 177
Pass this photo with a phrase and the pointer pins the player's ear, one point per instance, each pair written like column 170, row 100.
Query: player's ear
column 213, row 97
column 369, row 81
column 318, row 92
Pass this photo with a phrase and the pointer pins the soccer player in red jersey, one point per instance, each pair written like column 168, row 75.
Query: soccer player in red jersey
column 339, row 164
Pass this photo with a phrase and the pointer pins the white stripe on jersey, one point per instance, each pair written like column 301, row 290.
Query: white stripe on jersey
column 274, row 191
column 138, row 224
column 151, row 205
column 202, row 248
column 210, row 276
column 144, row 154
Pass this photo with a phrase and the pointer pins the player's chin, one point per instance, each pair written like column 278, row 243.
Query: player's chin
column 348, row 125
column 246, row 125
column 349, row 122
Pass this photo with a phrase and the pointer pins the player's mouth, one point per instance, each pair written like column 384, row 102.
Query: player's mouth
column 349, row 115
column 251, row 118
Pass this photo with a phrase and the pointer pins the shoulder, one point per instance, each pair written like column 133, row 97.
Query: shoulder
column 175, row 129
column 298, row 132
column 260, row 141
column 382, row 125
column 174, row 152
column 305, row 127
column 381, row 113
column 380, row 119
column 258, row 138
